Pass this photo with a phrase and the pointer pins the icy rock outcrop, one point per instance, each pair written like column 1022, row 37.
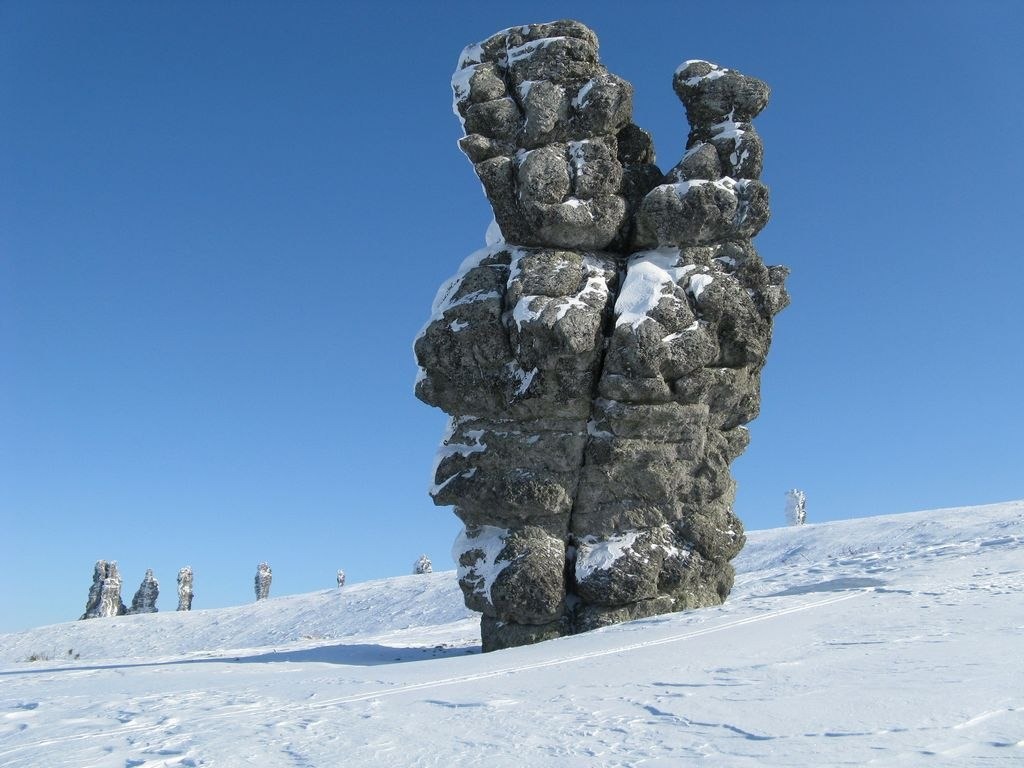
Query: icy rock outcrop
column 146, row 595
column 796, row 507
column 185, row 588
column 422, row 565
column 600, row 356
column 262, row 581
column 341, row 578
column 105, row 593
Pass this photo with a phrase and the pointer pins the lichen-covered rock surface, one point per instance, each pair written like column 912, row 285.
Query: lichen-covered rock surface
column 600, row 356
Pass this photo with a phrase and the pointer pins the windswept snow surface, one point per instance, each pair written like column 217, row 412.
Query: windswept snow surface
column 880, row 641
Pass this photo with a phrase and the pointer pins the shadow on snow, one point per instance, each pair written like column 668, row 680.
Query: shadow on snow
column 359, row 655
column 833, row 585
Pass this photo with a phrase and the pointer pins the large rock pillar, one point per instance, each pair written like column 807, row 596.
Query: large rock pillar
column 600, row 356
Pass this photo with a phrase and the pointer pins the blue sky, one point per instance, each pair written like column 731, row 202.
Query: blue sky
column 222, row 225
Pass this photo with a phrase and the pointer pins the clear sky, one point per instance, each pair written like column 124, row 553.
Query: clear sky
column 222, row 225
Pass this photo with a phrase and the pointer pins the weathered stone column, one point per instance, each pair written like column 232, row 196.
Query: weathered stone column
column 105, row 593
column 597, row 396
column 146, row 595
column 653, row 519
column 185, row 593
column 261, row 583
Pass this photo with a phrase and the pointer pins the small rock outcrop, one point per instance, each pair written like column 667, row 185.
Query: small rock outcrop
column 105, row 593
column 185, row 589
column 600, row 356
column 341, row 578
column 262, row 581
column 796, row 507
column 422, row 565
column 146, row 595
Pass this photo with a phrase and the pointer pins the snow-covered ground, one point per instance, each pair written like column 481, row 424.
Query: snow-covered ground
column 892, row 640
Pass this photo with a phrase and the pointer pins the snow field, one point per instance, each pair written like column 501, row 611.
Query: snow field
column 879, row 641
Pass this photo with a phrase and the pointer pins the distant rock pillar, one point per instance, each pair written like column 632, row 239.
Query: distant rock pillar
column 341, row 578
column 263, row 578
column 796, row 507
column 185, row 588
column 105, row 593
column 146, row 595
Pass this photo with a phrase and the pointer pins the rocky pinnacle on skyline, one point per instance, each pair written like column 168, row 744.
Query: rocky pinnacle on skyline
column 261, row 583
column 600, row 357
column 146, row 595
column 105, row 593
column 185, row 593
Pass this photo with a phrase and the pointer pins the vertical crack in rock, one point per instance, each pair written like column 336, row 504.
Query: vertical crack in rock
column 600, row 355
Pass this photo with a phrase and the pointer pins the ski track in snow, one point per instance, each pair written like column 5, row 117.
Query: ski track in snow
column 885, row 641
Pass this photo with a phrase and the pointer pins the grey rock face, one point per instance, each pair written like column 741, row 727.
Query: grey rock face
column 542, row 118
column 146, row 595
column 262, row 581
column 702, row 211
column 422, row 565
column 105, row 593
column 185, row 593
column 600, row 356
